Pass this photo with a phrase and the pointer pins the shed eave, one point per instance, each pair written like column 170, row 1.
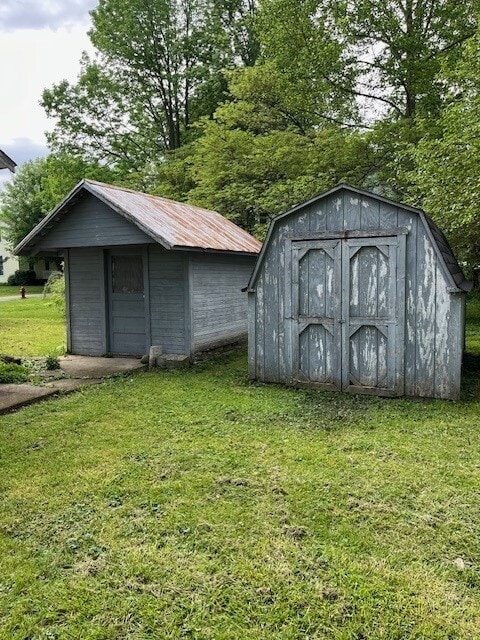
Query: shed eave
column 159, row 239
column 19, row 250
column 26, row 246
column 178, row 247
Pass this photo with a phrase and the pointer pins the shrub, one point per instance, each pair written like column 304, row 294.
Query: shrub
column 51, row 362
column 21, row 278
column 11, row 373
column 55, row 286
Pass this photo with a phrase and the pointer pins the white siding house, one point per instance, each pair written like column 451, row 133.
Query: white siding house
column 8, row 263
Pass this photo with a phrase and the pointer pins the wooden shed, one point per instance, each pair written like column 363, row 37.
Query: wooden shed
column 355, row 292
column 143, row 270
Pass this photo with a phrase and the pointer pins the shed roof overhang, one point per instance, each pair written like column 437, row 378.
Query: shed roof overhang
column 450, row 266
column 173, row 225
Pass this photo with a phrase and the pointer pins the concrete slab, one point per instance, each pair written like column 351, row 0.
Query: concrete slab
column 88, row 367
column 81, row 371
column 16, row 396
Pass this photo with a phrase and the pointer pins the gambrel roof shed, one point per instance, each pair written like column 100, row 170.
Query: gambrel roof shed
column 144, row 271
column 356, row 292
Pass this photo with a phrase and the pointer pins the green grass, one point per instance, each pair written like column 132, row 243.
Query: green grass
column 31, row 327
column 6, row 290
column 196, row 505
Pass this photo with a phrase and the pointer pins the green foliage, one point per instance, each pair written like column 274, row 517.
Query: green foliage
column 156, row 71
column 446, row 170
column 387, row 53
column 12, row 373
column 250, row 177
column 250, row 106
column 22, row 278
column 300, row 41
column 38, row 186
column 51, row 362
column 56, row 289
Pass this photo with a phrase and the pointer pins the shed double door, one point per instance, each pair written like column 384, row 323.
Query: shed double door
column 347, row 313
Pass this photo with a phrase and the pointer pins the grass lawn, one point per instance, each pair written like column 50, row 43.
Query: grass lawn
column 31, row 327
column 6, row 290
column 197, row 505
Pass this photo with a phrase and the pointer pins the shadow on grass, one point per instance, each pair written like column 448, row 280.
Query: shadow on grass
column 471, row 377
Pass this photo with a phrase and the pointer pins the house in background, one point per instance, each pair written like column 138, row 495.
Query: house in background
column 145, row 271
column 8, row 263
column 357, row 293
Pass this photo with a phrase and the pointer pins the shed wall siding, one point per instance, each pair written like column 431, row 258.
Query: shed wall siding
column 168, row 299
column 91, row 223
column 433, row 322
column 86, row 297
column 219, row 307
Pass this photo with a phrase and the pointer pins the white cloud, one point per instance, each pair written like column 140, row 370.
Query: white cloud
column 44, row 14
column 23, row 149
column 33, row 60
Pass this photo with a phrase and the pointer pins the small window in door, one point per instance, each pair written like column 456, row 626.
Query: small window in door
column 127, row 274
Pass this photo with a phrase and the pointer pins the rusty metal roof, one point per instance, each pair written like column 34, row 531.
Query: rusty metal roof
column 172, row 224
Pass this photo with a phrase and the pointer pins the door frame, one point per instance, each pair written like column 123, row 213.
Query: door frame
column 125, row 251
column 396, row 326
column 332, row 247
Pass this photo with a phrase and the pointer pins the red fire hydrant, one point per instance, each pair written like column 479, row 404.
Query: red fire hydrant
column 22, row 293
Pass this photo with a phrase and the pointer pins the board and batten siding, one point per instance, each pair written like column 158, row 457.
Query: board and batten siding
column 91, row 223
column 433, row 331
column 168, row 300
column 86, row 308
column 219, row 307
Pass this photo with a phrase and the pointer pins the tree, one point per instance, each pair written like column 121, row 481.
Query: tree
column 389, row 51
column 446, row 173
column 261, row 154
column 238, row 18
column 158, row 69
column 38, row 186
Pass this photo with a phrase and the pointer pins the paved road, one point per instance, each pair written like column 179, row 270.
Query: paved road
column 29, row 295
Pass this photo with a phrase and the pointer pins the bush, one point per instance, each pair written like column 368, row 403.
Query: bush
column 51, row 362
column 11, row 373
column 21, row 278
column 56, row 287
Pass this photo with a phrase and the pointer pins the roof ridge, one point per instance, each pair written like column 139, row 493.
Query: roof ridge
column 151, row 195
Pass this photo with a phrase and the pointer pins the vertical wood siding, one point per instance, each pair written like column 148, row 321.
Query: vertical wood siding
column 91, row 223
column 219, row 307
column 432, row 337
column 168, row 307
column 87, row 302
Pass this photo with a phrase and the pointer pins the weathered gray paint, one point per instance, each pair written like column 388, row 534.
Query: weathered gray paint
column 219, row 307
column 192, row 301
column 415, row 338
column 167, row 299
column 128, row 328
column 91, row 223
column 87, row 304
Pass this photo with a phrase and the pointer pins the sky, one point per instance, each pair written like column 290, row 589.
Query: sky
column 41, row 43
